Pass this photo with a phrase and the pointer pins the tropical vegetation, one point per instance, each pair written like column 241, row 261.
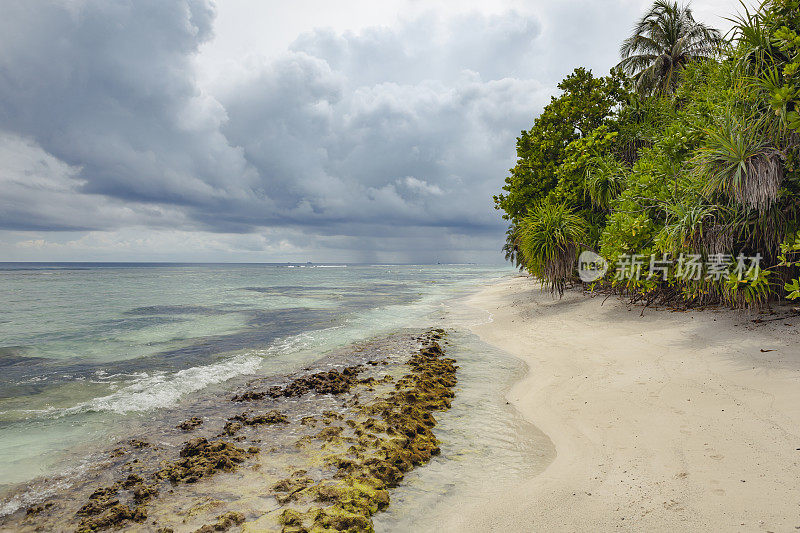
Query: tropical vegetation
column 687, row 153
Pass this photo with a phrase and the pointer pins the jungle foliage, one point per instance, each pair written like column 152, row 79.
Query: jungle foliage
column 690, row 147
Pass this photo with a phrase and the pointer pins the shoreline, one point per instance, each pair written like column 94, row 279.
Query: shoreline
column 667, row 421
column 151, row 481
column 662, row 422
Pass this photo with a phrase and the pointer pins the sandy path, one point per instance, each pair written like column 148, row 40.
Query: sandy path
column 667, row 422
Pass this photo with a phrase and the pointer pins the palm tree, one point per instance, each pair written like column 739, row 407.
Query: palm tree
column 663, row 42
column 511, row 247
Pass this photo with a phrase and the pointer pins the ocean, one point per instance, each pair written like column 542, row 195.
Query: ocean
column 90, row 351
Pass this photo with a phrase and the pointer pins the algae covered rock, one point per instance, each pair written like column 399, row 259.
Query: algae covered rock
column 330, row 433
column 201, row 458
column 354, row 496
column 99, row 500
column 190, row 424
column 114, row 516
column 249, row 396
column 270, row 417
column 231, row 428
column 290, row 518
column 143, row 493
column 330, row 382
column 36, row 509
column 104, row 510
column 287, row 488
column 308, row 421
column 223, row 523
column 235, row 423
column 336, row 519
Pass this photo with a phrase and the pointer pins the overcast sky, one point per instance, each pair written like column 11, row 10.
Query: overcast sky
column 253, row 130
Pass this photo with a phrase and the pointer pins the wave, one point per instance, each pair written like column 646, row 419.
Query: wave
column 163, row 390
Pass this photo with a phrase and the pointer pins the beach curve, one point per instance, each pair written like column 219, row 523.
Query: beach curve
column 661, row 421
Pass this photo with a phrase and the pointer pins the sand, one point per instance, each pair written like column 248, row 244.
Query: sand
column 664, row 422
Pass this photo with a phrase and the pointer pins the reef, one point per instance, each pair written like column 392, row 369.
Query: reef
column 386, row 438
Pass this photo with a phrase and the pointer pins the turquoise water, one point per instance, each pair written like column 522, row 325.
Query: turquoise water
column 86, row 350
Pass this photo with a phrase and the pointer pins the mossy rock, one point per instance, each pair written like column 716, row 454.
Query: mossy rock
column 223, row 523
column 270, row 417
column 115, row 516
column 333, row 519
column 287, row 488
column 353, row 496
column 201, row 458
column 190, row 424
column 331, row 433
column 290, row 518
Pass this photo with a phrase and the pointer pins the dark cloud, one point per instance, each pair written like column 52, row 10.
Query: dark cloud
column 385, row 143
column 42, row 193
column 109, row 87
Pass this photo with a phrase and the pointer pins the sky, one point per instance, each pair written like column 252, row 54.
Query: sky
column 272, row 131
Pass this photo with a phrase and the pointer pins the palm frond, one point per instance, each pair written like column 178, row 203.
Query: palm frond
column 663, row 41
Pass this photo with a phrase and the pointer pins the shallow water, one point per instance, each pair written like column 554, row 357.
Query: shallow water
column 486, row 445
column 87, row 351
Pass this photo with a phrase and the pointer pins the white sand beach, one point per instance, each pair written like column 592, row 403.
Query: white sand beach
column 670, row 421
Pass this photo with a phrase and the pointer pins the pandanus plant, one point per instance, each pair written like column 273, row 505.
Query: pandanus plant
column 605, row 179
column 738, row 160
column 549, row 239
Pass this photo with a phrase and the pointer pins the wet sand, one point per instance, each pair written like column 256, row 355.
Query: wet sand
column 670, row 421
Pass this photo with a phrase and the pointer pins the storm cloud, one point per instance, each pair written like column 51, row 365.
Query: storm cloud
column 385, row 143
